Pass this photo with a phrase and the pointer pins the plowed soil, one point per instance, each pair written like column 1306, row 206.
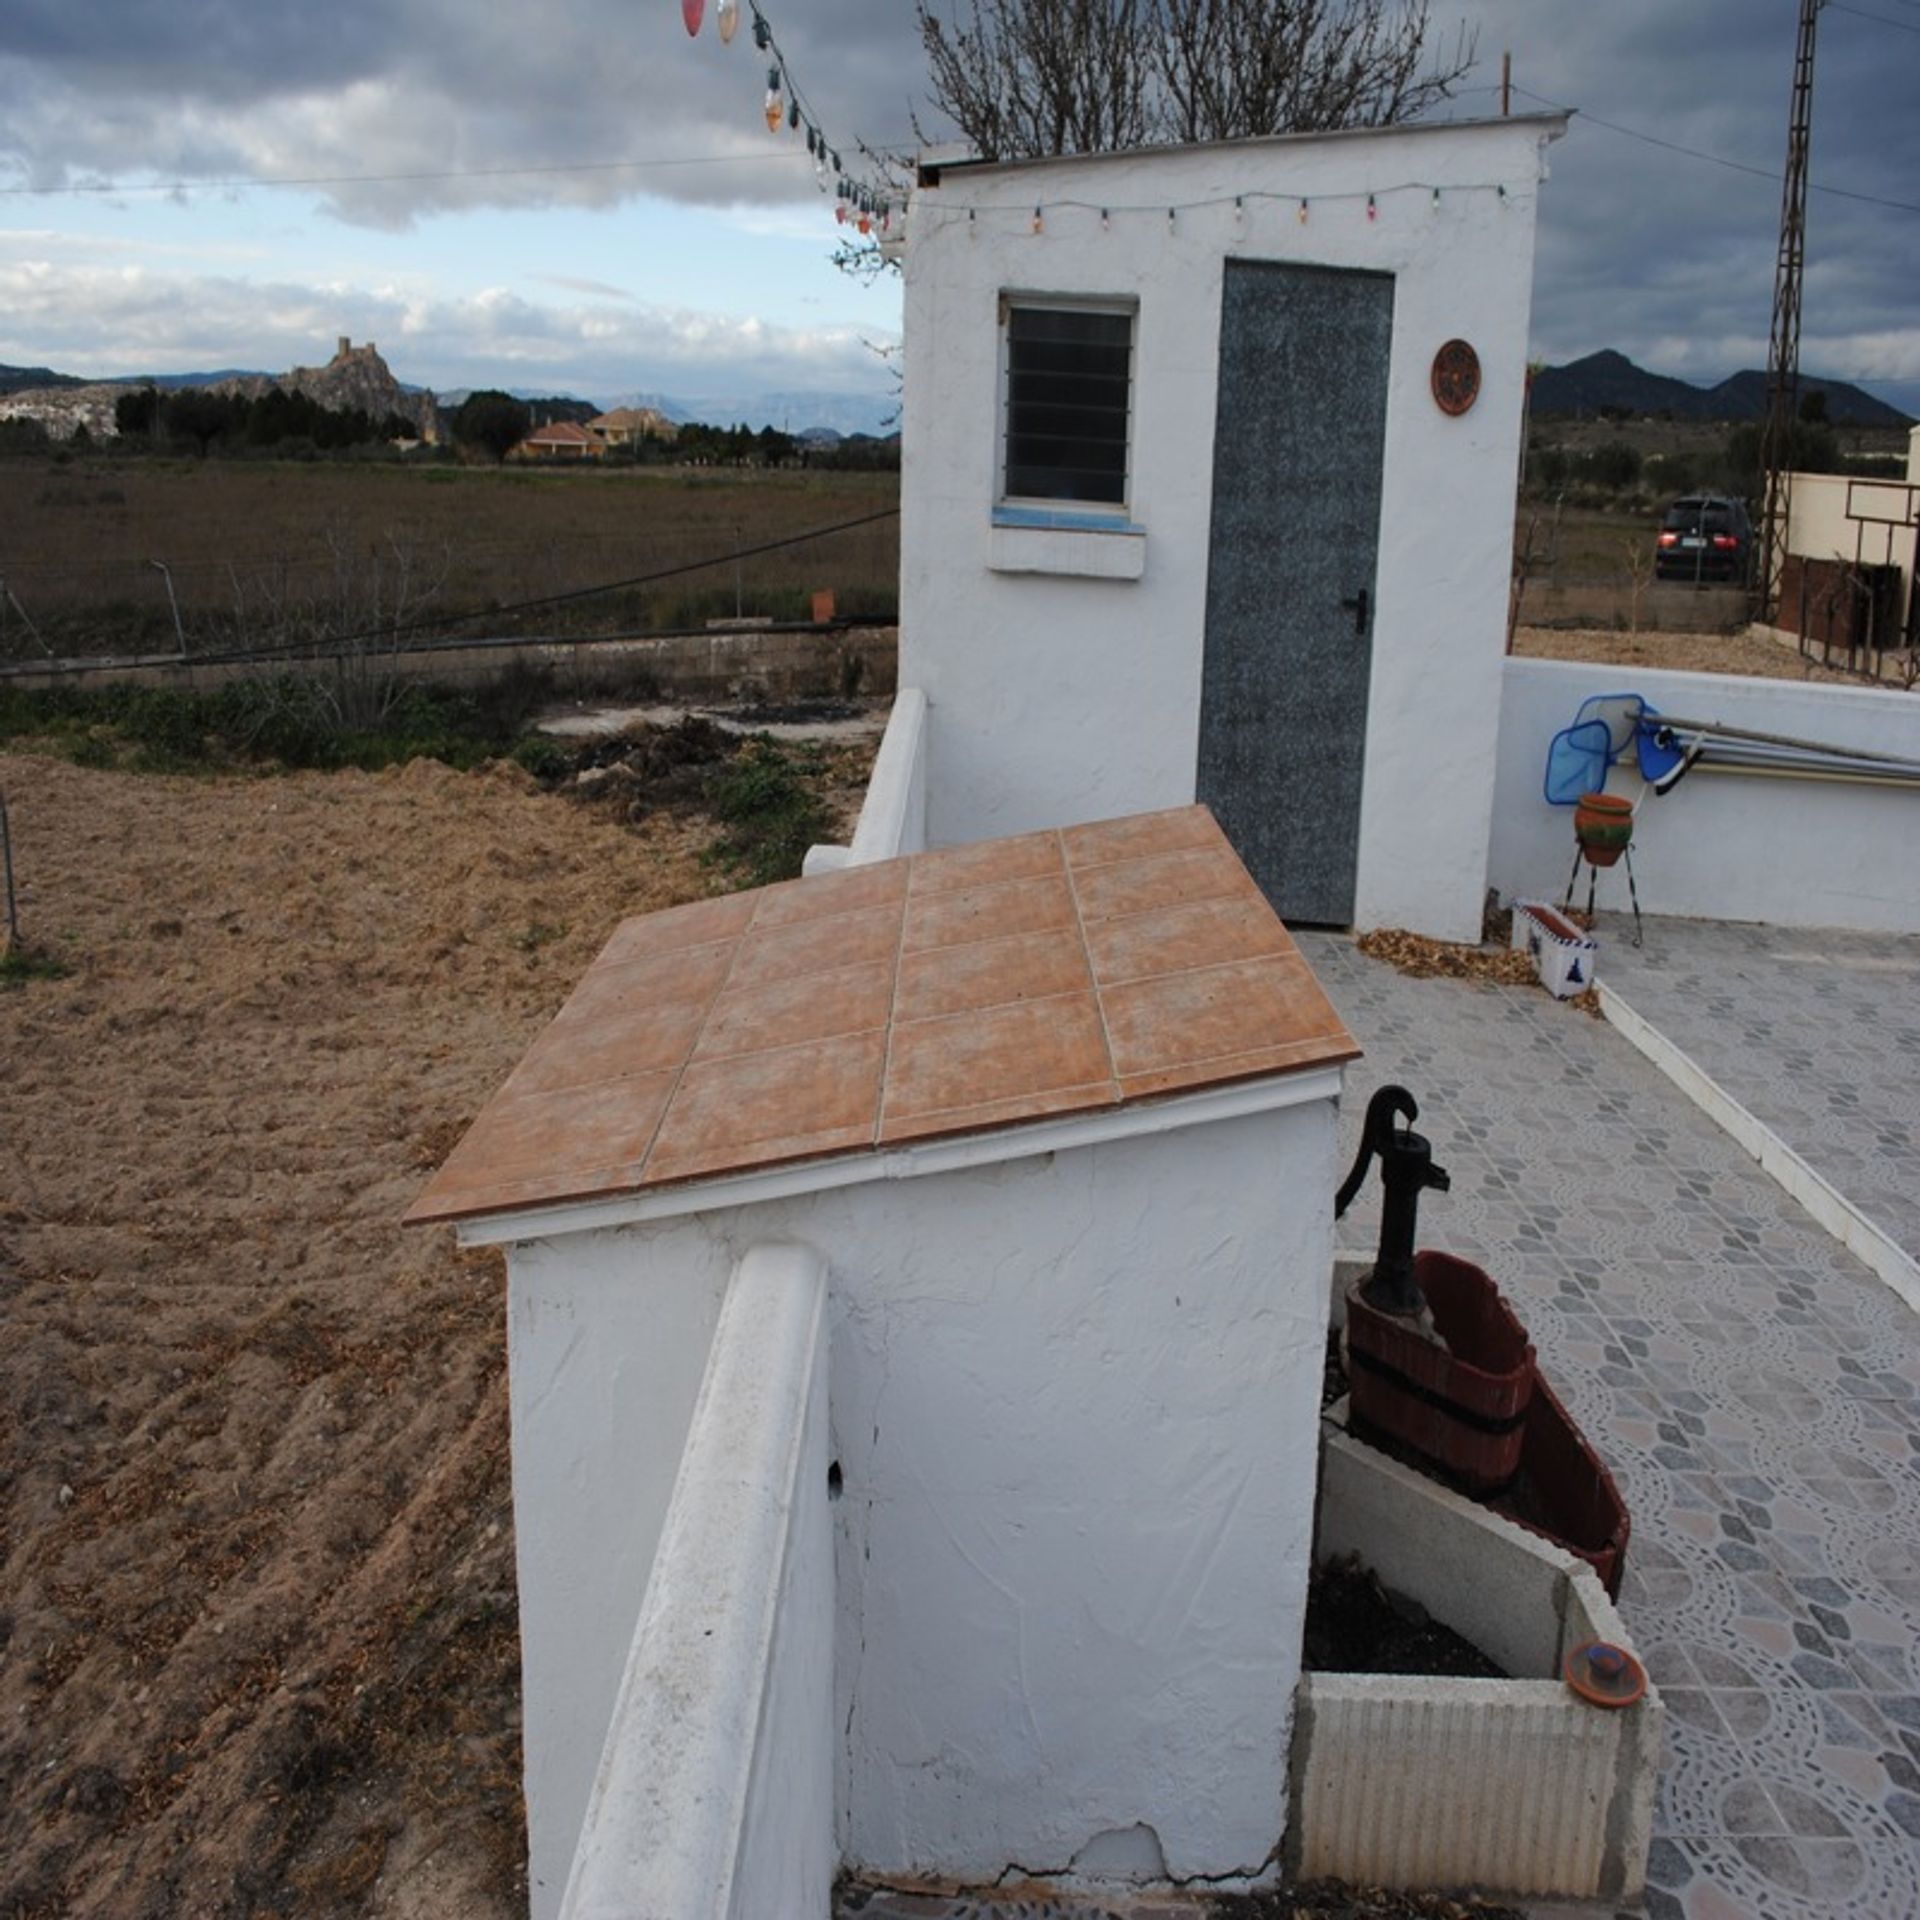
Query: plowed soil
column 258, row 1651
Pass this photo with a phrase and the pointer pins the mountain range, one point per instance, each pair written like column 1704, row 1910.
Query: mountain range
column 1608, row 383
column 1603, row 384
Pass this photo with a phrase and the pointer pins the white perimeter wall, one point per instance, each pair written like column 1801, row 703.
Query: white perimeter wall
column 1818, row 525
column 1796, row 853
column 1057, row 700
column 1074, row 1401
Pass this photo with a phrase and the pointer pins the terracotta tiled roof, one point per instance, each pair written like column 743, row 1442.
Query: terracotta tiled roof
column 559, row 433
column 973, row 988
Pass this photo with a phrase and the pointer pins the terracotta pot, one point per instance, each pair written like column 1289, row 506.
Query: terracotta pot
column 1603, row 824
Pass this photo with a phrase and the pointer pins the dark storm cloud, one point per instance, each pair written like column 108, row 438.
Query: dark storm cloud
column 1672, row 258
column 261, row 88
column 1667, row 257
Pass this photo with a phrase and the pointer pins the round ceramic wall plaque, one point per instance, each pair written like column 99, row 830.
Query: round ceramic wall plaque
column 1456, row 377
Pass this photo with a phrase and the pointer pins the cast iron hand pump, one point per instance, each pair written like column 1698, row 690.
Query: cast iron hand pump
column 1406, row 1167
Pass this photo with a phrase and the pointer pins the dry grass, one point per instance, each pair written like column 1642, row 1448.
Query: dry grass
column 251, row 541
column 255, row 1528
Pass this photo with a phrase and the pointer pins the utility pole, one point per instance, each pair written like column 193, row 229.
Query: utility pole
column 1506, row 85
column 1783, row 347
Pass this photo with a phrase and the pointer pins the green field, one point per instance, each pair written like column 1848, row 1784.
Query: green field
column 262, row 553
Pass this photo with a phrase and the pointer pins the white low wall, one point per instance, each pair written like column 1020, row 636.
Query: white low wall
column 1721, row 846
column 1515, row 1786
column 714, row 1798
column 1818, row 524
column 893, row 816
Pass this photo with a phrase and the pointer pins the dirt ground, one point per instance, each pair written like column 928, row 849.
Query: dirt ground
column 1682, row 652
column 264, row 550
column 258, row 1648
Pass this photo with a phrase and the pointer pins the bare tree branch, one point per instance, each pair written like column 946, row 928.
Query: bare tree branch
column 1021, row 78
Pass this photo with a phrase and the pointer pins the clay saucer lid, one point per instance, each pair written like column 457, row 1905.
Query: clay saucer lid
column 1605, row 1675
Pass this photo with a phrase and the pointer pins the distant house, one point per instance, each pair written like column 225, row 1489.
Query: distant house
column 628, row 426
column 561, row 440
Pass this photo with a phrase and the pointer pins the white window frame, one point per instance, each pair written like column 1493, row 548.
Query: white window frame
column 1101, row 513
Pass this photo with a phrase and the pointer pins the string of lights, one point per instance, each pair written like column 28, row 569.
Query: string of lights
column 1302, row 205
column 858, row 203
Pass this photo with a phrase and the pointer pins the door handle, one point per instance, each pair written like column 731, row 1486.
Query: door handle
column 1357, row 605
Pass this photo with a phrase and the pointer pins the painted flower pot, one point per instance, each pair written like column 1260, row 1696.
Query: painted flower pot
column 1603, row 824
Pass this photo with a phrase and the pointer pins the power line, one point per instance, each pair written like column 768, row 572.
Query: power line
column 1719, row 159
column 612, row 586
column 293, row 650
column 1860, row 13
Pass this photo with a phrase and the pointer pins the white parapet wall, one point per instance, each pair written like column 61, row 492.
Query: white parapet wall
column 893, row 816
column 714, row 1796
column 1837, row 516
column 1516, row 1785
column 1722, row 846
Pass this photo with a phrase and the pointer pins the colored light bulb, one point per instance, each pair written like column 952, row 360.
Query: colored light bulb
column 692, row 12
column 728, row 21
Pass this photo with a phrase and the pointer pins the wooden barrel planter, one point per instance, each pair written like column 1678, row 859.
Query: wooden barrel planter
column 1603, row 825
column 1565, row 1493
column 1461, row 1406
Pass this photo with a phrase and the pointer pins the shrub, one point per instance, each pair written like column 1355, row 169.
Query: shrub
column 764, row 798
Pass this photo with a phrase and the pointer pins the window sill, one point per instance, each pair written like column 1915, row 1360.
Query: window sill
column 1083, row 545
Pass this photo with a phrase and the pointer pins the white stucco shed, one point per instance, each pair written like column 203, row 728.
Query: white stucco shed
column 1209, row 465
column 1055, row 1118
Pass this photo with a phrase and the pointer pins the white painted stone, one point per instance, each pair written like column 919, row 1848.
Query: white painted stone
column 1514, row 1786
column 1074, row 1401
column 1792, row 853
column 1493, row 1582
column 1058, row 699
column 1068, row 552
column 714, row 1797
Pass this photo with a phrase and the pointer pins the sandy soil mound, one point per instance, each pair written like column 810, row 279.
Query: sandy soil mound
column 258, row 1622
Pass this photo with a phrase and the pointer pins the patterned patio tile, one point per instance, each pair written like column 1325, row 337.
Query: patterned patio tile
column 1816, row 1033
column 1752, row 1386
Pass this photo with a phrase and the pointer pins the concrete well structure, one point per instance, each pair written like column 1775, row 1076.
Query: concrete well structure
column 1208, row 470
column 1055, row 1117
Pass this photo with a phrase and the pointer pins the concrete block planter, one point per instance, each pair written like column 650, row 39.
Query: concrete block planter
column 1510, row 1786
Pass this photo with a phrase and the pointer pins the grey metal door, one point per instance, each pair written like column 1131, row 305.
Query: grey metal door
column 1299, row 438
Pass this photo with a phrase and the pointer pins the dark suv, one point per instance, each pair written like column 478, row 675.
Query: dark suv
column 1705, row 536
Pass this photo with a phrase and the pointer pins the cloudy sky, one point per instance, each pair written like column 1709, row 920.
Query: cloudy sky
column 573, row 195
